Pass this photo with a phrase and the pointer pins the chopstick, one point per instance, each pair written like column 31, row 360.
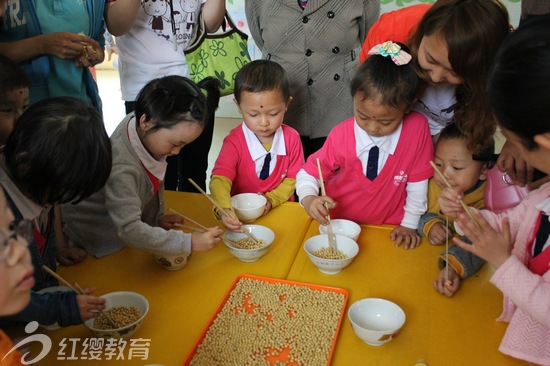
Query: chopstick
column 76, row 288
column 464, row 206
column 182, row 226
column 330, row 233
column 220, row 208
column 188, row 219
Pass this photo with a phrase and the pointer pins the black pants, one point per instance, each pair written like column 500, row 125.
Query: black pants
column 191, row 162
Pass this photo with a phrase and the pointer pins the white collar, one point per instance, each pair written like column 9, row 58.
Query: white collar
column 256, row 148
column 155, row 167
column 387, row 143
column 544, row 206
column 29, row 210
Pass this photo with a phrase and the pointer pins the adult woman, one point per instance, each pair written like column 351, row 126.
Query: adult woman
column 318, row 44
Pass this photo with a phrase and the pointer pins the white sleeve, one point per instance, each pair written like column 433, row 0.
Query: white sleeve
column 416, row 203
column 306, row 185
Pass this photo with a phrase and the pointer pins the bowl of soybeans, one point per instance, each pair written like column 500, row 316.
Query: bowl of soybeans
column 327, row 260
column 245, row 248
column 127, row 309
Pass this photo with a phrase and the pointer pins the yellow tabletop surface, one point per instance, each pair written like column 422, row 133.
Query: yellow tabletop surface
column 183, row 301
column 438, row 330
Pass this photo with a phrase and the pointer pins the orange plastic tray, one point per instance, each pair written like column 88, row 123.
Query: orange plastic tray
column 273, row 281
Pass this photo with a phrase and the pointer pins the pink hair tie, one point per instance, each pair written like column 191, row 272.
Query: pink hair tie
column 398, row 56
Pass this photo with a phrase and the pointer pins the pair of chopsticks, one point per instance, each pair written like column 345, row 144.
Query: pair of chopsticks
column 201, row 228
column 220, row 208
column 330, row 233
column 76, row 288
column 464, row 206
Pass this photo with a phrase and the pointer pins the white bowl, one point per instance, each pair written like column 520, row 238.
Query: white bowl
column 376, row 321
column 331, row 266
column 248, row 206
column 249, row 255
column 172, row 262
column 121, row 298
column 343, row 227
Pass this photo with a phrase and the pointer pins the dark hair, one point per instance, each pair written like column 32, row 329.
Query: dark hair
column 59, row 151
column 519, row 82
column 259, row 76
column 379, row 76
column 170, row 100
column 473, row 31
column 12, row 77
column 452, row 132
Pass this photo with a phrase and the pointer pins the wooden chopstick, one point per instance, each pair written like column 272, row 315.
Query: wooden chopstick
column 189, row 227
column 76, row 288
column 220, row 208
column 188, row 219
column 464, row 206
column 330, row 233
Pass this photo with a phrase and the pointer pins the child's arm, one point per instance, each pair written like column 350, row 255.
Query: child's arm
column 220, row 189
column 66, row 254
column 415, row 205
column 433, row 227
column 204, row 241
column 282, row 193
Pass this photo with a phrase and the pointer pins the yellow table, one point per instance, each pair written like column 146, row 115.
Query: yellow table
column 181, row 302
column 441, row 331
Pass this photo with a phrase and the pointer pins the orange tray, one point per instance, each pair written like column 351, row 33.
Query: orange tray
column 269, row 280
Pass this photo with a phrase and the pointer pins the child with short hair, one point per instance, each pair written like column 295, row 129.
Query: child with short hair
column 376, row 165
column 16, row 278
column 58, row 152
column 14, row 95
column 170, row 113
column 262, row 155
column 516, row 241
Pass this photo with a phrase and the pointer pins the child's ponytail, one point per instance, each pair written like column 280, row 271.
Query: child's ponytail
column 212, row 87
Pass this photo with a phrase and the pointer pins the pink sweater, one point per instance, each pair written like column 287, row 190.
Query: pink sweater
column 381, row 201
column 526, row 295
column 235, row 162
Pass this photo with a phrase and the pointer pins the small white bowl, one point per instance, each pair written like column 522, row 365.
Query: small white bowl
column 331, row 266
column 248, row 206
column 121, row 298
column 376, row 321
column 173, row 262
column 343, row 227
column 249, row 255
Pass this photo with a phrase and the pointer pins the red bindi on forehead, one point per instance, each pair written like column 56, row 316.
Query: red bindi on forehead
column 261, row 106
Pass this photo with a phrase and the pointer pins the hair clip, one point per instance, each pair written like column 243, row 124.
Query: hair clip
column 398, row 56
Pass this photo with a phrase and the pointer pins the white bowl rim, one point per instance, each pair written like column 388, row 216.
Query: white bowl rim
column 248, row 250
column 333, row 260
column 111, row 294
column 355, row 225
column 378, row 300
column 262, row 197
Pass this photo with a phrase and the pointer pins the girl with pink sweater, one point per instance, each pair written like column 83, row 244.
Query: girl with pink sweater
column 375, row 164
column 516, row 242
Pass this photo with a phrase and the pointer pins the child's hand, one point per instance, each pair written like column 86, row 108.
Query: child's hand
column 167, row 221
column 267, row 207
column 405, row 235
column 487, row 243
column 449, row 287
column 231, row 221
column 438, row 234
column 204, row 241
column 89, row 305
column 449, row 201
column 315, row 207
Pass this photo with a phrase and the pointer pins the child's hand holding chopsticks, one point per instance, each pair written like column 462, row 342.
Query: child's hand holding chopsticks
column 318, row 207
column 89, row 305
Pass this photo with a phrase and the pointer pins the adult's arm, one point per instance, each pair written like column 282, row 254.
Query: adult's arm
column 120, row 16
column 213, row 12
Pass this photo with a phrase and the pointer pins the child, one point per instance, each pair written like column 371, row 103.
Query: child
column 516, row 242
column 262, row 155
column 16, row 278
column 129, row 210
column 384, row 140
column 57, row 152
column 455, row 161
column 14, row 95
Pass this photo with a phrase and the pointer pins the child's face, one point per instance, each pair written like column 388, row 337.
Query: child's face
column 455, row 161
column 375, row 118
column 168, row 141
column 17, row 101
column 433, row 57
column 263, row 112
column 16, row 269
